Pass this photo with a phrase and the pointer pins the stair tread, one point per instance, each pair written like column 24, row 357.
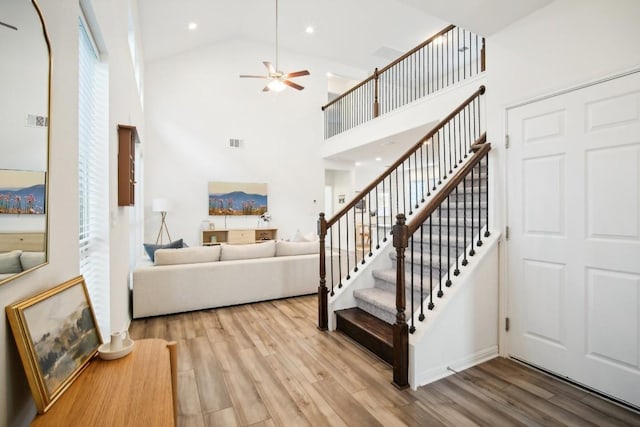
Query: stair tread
column 377, row 297
column 374, row 326
column 389, row 275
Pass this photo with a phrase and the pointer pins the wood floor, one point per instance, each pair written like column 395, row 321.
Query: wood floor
column 266, row 364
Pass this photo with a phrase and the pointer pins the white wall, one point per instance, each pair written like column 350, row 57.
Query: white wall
column 462, row 329
column 567, row 43
column 61, row 16
column 196, row 102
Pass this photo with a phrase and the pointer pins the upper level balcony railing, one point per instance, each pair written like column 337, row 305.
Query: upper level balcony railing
column 446, row 58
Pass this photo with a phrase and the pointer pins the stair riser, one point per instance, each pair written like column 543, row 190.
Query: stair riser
column 460, row 209
column 443, row 223
column 428, row 259
column 445, row 230
column 391, row 287
column 474, row 190
column 361, row 333
column 387, row 316
column 435, row 242
column 435, row 239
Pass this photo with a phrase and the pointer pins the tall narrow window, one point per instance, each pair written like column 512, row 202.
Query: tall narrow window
column 93, row 176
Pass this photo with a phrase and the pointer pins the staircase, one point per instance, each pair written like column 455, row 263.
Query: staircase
column 378, row 285
column 435, row 257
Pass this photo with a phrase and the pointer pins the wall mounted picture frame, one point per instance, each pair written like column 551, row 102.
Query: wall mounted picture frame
column 57, row 336
column 237, row 198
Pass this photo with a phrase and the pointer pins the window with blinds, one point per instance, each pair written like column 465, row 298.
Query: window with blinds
column 93, row 167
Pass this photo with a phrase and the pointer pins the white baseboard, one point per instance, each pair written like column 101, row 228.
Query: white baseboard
column 439, row 372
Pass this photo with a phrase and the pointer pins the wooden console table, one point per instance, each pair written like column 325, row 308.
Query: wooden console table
column 139, row 389
column 238, row 236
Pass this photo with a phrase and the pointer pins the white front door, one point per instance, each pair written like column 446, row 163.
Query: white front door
column 574, row 248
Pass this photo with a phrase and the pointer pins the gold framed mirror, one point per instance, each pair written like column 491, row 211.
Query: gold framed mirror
column 25, row 84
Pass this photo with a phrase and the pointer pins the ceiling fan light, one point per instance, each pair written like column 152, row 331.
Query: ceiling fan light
column 276, row 85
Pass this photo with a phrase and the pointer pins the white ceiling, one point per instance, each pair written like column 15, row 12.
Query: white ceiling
column 363, row 34
column 357, row 33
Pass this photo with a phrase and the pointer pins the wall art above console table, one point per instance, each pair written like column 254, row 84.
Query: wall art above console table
column 238, row 236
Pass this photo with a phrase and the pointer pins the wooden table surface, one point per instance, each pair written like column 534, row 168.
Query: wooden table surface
column 135, row 390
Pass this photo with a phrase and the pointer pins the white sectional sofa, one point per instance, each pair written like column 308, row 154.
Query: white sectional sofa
column 198, row 278
column 15, row 262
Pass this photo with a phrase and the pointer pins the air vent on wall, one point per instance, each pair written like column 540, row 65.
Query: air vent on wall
column 235, row 143
column 37, row 121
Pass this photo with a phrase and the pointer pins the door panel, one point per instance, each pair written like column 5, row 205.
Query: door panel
column 573, row 197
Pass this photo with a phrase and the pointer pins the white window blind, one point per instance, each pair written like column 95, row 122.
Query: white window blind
column 93, row 177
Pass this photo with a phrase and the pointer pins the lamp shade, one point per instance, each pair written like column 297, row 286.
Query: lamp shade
column 160, row 205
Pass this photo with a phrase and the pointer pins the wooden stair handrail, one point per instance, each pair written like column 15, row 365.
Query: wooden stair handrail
column 377, row 72
column 404, row 157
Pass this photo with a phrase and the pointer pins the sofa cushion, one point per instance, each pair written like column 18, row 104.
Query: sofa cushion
column 252, row 250
column 192, row 255
column 32, row 259
column 10, row 262
column 296, row 248
column 151, row 248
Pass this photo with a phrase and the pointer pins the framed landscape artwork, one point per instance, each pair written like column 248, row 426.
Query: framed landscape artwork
column 237, row 198
column 57, row 336
column 22, row 192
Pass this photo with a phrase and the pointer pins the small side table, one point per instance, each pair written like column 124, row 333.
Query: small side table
column 139, row 389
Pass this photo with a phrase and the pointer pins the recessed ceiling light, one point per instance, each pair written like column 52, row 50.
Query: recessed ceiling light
column 192, row 26
column 358, row 163
column 329, row 74
column 310, row 30
column 378, row 159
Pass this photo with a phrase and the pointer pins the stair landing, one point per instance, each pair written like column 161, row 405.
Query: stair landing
column 367, row 330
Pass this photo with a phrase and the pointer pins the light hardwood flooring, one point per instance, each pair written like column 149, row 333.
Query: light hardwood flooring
column 266, row 364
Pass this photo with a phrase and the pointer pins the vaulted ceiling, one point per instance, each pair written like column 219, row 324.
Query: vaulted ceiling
column 360, row 33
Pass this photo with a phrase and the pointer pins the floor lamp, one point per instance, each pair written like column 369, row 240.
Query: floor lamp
column 162, row 206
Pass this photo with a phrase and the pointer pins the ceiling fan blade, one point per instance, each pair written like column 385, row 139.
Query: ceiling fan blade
column 4, row 24
column 292, row 84
column 297, row 74
column 253, row 77
column 269, row 67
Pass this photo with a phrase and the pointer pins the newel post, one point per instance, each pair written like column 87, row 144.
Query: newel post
column 323, row 315
column 376, row 104
column 400, row 328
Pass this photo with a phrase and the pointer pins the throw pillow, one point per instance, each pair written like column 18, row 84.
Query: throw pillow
column 10, row 262
column 297, row 248
column 151, row 248
column 32, row 259
column 194, row 255
column 249, row 251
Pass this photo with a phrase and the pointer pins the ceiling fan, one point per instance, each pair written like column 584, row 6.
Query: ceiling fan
column 278, row 80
